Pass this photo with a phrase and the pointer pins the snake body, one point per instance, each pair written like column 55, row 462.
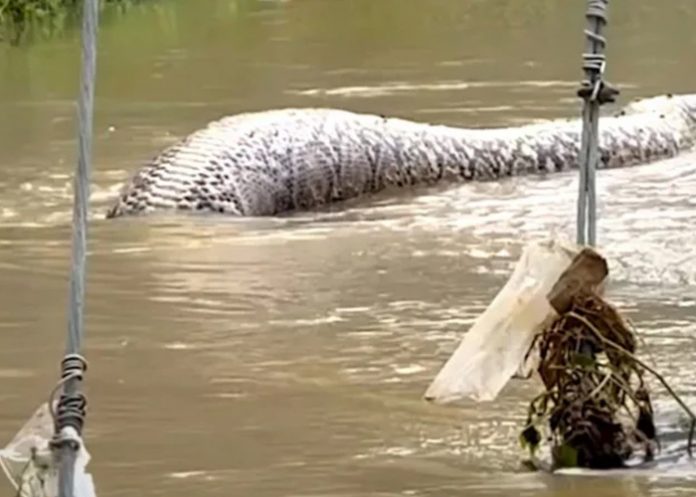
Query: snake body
column 271, row 162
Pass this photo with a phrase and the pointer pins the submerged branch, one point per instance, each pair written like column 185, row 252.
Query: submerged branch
column 595, row 407
column 657, row 375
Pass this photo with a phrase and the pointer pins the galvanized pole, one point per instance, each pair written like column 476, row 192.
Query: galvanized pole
column 70, row 413
column 595, row 92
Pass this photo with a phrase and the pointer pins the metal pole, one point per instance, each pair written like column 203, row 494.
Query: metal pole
column 71, row 407
column 595, row 92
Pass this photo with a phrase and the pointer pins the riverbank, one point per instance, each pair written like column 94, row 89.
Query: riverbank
column 23, row 20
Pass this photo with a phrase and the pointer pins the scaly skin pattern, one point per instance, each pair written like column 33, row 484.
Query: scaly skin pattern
column 277, row 161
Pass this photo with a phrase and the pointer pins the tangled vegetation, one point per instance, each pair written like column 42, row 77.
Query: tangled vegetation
column 595, row 410
column 20, row 17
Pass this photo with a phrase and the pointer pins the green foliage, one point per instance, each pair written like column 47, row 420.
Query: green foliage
column 19, row 18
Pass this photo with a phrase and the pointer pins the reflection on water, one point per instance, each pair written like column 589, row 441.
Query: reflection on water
column 288, row 356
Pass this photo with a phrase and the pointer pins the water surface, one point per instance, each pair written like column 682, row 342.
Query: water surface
column 287, row 357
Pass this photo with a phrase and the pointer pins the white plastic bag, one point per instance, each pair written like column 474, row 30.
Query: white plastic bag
column 30, row 466
column 494, row 349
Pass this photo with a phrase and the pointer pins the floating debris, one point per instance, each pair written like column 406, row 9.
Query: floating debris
column 550, row 318
column 595, row 411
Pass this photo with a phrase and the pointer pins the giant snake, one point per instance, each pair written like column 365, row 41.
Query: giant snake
column 277, row 161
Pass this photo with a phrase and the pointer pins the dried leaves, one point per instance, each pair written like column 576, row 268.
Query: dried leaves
column 595, row 407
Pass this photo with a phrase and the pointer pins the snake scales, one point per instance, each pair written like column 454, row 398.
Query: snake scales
column 276, row 161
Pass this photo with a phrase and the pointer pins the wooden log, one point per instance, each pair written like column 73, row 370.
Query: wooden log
column 584, row 275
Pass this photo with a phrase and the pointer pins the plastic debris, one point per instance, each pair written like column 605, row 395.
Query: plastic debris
column 496, row 347
column 30, row 465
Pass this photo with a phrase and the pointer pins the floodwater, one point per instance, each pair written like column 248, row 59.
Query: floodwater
column 288, row 357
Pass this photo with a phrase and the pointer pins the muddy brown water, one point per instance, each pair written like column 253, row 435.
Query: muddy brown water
column 287, row 357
